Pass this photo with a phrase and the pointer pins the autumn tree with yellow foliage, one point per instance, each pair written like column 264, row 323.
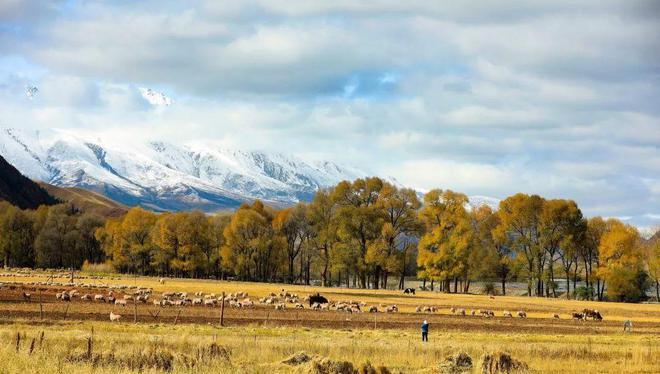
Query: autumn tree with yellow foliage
column 444, row 248
column 622, row 263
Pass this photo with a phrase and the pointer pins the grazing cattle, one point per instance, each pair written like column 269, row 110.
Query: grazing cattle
column 409, row 291
column 522, row 314
column 317, row 299
column 627, row 326
column 578, row 316
column 593, row 314
column 507, row 314
column 114, row 317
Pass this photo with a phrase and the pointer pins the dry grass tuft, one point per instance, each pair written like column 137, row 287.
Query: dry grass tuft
column 456, row 364
column 500, row 363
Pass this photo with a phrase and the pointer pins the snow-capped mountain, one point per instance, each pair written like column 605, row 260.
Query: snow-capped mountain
column 166, row 176
column 155, row 98
column 478, row 200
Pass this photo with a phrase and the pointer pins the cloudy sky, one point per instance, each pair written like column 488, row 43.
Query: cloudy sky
column 560, row 98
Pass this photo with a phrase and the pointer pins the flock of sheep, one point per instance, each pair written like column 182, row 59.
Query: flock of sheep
column 123, row 295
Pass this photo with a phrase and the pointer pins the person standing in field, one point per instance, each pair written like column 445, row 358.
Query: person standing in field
column 425, row 331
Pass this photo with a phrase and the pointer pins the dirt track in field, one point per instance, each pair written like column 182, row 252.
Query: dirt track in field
column 13, row 306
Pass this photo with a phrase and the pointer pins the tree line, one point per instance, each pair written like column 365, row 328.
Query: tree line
column 363, row 233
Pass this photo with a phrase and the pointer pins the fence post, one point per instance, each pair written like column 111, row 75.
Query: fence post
column 135, row 310
column 41, row 306
column 222, row 310
column 177, row 317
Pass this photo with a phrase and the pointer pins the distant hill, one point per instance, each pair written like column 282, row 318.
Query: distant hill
column 86, row 200
column 21, row 191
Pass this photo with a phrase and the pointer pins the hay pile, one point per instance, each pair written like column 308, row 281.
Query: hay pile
column 456, row 364
column 322, row 365
column 297, row 359
column 500, row 363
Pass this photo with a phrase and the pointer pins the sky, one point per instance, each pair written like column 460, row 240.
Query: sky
column 558, row 98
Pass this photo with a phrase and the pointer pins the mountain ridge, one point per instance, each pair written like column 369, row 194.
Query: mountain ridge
column 165, row 176
column 19, row 190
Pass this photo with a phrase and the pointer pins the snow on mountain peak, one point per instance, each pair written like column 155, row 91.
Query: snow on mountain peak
column 168, row 176
column 155, row 98
column 165, row 175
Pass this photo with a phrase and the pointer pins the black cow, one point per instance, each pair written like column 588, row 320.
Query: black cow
column 317, row 299
column 409, row 291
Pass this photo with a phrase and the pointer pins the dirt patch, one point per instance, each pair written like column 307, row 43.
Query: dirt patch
column 456, row 364
column 499, row 363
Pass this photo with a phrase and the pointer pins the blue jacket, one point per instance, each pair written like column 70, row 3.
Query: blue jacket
column 425, row 327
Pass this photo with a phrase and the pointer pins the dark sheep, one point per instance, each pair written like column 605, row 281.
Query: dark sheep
column 410, row 291
column 317, row 299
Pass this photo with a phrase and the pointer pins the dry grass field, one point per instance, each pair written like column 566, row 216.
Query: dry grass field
column 258, row 339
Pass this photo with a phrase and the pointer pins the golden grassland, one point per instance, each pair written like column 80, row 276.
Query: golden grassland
column 545, row 344
column 256, row 349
